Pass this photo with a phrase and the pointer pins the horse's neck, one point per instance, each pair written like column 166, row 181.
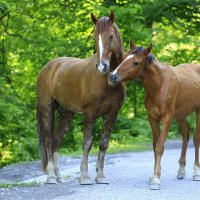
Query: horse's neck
column 101, row 79
column 116, row 59
column 152, row 79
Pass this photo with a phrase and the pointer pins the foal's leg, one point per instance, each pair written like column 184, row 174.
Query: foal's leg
column 87, row 145
column 196, row 176
column 64, row 123
column 185, row 135
column 159, row 149
column 108, row 124
column 155, row 126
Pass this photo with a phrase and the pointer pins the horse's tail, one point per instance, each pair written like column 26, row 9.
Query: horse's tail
column 43, row 151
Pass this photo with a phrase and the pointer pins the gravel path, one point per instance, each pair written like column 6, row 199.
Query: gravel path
column 128, row 174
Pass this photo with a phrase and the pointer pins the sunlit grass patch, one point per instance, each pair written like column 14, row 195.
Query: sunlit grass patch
column 17, row 184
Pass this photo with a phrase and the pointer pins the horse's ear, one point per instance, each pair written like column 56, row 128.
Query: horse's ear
column 112, row 17
column 132, row 44
column 147, row 51
column 94, row 19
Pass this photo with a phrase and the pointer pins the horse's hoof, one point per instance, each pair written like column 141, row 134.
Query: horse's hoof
column 196, row 178
column 51, row 180
column 101, row 180
column 60, row 179
column 180, row 175
column 181, row 172
column 154, row 183
column 155, row 186
column 153, row 180
column 85, row 180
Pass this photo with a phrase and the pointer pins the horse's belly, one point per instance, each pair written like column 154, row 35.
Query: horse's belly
column 74, row 108
column 69, row 101
column 185, row 108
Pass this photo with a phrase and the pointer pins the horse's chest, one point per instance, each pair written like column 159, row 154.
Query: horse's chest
column 154, row 110
column 110, row 102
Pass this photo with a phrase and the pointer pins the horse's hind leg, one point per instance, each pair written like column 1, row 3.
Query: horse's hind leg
column 87, row 145
column 45, row 129
column 185, row 135
column 108, row 125
column 64, row 123
column 196, row 138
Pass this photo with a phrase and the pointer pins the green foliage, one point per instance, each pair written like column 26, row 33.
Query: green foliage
column 34, row 32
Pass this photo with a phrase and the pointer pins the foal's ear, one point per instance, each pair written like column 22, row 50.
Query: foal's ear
column 112, row 17
column 94, row 19
column 147, row 51
column 132, row 44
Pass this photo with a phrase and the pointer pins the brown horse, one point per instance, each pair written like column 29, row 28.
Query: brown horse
column 68, row 85
column 170, row 92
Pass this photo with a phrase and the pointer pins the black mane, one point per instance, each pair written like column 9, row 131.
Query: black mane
column 139, row 50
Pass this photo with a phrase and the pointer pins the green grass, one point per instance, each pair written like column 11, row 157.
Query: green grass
column 17, row 184
column 137, row 145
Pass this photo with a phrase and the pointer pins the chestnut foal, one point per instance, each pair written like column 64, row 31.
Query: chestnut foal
column 170, row 92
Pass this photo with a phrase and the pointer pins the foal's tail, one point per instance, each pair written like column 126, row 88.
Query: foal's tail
column 43, row 152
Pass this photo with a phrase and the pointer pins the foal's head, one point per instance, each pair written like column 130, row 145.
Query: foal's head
column 108, row 41
column 133, row 64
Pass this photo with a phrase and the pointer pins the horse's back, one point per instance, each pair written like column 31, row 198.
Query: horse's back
column 188, row 99
column 64, row 63
column 188, row 69
column 60, row 79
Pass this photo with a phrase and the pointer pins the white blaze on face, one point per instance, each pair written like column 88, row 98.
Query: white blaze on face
column 128, row 57
column 100, row 67
column 100, row 47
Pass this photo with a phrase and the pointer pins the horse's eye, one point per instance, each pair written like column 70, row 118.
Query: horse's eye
column 110, row 40
column 135, row 63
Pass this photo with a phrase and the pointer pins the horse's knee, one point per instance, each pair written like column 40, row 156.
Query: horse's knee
column 56, row 144
column 87, row 145
column 104, row 144
column 159, row 149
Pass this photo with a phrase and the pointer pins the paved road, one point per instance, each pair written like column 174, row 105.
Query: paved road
column 128, row 174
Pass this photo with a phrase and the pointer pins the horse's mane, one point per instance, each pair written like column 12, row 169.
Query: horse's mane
column 102, row 25
column 139, row 50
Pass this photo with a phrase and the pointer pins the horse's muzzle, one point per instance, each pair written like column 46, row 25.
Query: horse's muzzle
column 102, row 68
column 113, row 79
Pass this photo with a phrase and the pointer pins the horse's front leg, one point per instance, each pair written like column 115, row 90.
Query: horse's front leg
column 155, row 126
column 108, row 124
column 159, row 149
column 87, row 144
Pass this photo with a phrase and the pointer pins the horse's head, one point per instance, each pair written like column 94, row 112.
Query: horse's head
column 132, row 65
column 106, row 37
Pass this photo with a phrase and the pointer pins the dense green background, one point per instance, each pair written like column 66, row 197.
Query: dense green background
column 36, row 31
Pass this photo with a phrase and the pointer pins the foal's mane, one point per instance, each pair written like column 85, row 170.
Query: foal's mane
column 103, row 25
column 138, row 50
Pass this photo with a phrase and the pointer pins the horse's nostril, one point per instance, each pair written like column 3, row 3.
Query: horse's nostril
column 113, row 77
column 97, row 66
column 105, row 67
